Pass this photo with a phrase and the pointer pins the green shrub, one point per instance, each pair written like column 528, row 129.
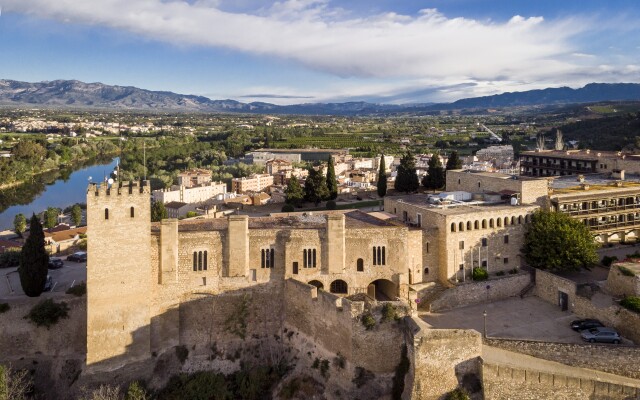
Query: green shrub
column 4, row 307
column 136, row 392
column 607, row 260
column 48, row 313
column 324, row 368
column 368, row 321
column 331, row 205
column 635, row 254
column 631, row 303
column 316, row 363
column 288, row 208
column 480, row 274
column 626, row 271
column 78, row 290
column 513, row 271
column 10, row 259
column 389, row 313
column 500, row 273
column 457, row 394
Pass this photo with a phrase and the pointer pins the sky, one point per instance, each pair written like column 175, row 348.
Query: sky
column 306, row 51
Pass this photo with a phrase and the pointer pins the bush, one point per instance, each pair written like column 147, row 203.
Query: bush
column 626, row 271
column 631, row 303
column 480, row 274
column 388, row 313
column 607, row 260
column 136, row 392
column 500, row 273
column 48, row 313
column 635, row 254
column 4, row 307
column 10, row 259
column 513, row 271
column 457, row 394
column 368, row 321
column 78, row 290
column 331, row 205
column 339, row 361
column 288, row 208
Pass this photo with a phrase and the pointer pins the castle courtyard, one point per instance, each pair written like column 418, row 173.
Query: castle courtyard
column 530, row 318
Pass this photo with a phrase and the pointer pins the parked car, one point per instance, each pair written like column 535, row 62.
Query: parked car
column 48, row 284
column 601, row 335
column 582, row 324
column 79, row 256
column 55, row 263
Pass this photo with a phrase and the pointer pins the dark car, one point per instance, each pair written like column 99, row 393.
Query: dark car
column 582, row 324
column 601, row 335
column 55, row 263
column 80, row 256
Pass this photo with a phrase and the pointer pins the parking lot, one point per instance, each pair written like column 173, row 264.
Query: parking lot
column 62, row 278
column 529, row 318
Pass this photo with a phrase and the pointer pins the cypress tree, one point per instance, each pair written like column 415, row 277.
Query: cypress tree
column 315, row 187
column 34, row 261
column 294, row 191
column 407, row 178
column 332, row 184
column 454, row 161
column 382, row 178
column 435, row 174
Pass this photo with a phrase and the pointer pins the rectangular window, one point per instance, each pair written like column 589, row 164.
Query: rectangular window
column 304, row 258
column 461, row 267
column 506, row 239
column 419, row 220
column 427, row 247
column 484, row 242
column 314, row 258
column 461, row 245
column 379, row 255
column 484, row 263
column 506, row 260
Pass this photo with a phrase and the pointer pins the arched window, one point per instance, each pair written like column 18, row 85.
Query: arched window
column 461, row 226
column 491, row 223
column 506, row 221
column 519, row 219
column 199, row 261
column 195, row 260
column 426, row 270
column 453, row 227
column 476, row 225
column 360, row 265
column 513, row 220
column 468, row 225
column 338, row 286
column 132, row 212
column 379, row 255
column 484, row 224
column 106, row 213
column 204, row 264
column 499, row 222
column 527, row 218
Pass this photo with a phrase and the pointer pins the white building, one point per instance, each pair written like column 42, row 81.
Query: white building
column 190, row 195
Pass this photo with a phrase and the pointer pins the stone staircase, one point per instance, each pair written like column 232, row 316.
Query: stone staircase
column 430, row 294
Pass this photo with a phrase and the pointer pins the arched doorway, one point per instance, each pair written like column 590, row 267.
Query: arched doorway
column 339, row 287
column 383, row 290
column 317, row 284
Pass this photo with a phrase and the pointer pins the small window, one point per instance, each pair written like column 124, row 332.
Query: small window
column 427, row 249
column 491, row 223
column 461, row 245
column 484, row 242
column 478, row 183
column 132, row 212
column 461, row 267
column 506, row 239
column 106, row 213
column 360, row 265
column 204, row 281
column 453, row 227
column 199, row 261
column 195, row 260
column 379, row 255
column 204, row 264
column 506, row 260
column 476, row 225
column 426, row 270
column 484, row 263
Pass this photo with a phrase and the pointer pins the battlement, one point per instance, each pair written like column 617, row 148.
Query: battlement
column 120, row 188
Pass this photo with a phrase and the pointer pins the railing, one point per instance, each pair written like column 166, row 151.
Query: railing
column 603, row 209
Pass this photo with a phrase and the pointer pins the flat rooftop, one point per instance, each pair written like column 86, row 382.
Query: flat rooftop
column 569, row 184
column 459, row 208
column 499, row 175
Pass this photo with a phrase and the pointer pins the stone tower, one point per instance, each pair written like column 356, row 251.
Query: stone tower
column 118, row 273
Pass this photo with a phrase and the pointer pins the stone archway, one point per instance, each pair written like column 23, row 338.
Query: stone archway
column 339, row 287
column 317, row 284
column 383, row 290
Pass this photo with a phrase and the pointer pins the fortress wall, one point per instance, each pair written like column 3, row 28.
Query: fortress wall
column 622, row 285
column 503, row 382
column 620, row 360
column 468, row 293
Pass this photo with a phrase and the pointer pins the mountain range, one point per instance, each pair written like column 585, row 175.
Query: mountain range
column 80, row 95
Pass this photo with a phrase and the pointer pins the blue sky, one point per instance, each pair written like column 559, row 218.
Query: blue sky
column 296, row 51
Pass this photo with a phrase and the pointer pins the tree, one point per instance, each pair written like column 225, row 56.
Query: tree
column 382, row 177
column 407, row 178
column 435, row 174
column 332, row 184
column 76, row 214
column 34, row 260
column 158, row 211
column 19, row 224
column 14, row 384
column 51, row 217
column 556, row 242
column 454, row 161
column 294, row 192
column 315, row 187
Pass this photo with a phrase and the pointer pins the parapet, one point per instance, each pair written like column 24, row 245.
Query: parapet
column 120, row 188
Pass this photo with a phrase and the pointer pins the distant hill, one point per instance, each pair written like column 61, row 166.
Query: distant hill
column 76, row 94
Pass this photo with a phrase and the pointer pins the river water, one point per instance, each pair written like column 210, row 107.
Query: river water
column 60, row 189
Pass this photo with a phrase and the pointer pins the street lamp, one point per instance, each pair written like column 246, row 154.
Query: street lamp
column 484, row 314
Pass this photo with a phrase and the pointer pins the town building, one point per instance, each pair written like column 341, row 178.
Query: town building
column 194, row 177
column 193, row 194
column 573, row 162
column 253, row 183
column 178, row 209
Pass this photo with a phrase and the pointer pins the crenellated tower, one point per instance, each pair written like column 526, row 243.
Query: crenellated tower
column 118, row 272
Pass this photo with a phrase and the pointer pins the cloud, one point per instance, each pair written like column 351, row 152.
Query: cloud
column 331, row 40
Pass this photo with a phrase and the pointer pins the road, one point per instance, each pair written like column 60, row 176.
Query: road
column 62, row 278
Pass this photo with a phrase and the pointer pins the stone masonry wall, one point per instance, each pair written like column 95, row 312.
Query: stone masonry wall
column 621, row 285
column 476, row 292
column 619, row 360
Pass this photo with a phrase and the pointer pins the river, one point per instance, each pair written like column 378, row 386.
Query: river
column 60, row 188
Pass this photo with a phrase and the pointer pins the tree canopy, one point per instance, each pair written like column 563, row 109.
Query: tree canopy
column 158, row 211
column 76, row 214
column 435, row 174
column 382, row 177
column 51, row 217
column 454, row 161
column 294, row 192
column 19, row 224
column 556, row 242
column 34, row 261
column 407, row 178
column 315, row 187
column 332, row 184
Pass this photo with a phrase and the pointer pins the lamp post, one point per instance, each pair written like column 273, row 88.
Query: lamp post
column 484, row 314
